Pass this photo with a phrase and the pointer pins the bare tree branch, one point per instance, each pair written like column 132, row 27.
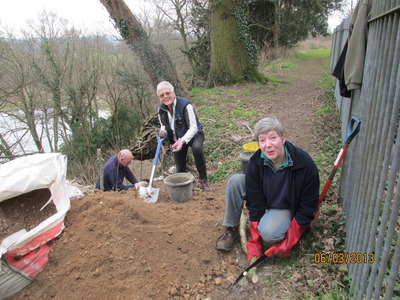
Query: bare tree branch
column 155, row 59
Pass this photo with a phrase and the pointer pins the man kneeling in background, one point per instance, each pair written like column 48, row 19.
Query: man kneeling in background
column 114, row 172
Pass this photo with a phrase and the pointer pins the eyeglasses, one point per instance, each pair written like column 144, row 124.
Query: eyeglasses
column 164, row 94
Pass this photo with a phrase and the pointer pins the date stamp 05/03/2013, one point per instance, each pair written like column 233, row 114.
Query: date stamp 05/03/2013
column 343, row 257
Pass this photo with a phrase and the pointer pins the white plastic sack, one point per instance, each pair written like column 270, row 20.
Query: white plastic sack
column 29, row 173
column 22, row 176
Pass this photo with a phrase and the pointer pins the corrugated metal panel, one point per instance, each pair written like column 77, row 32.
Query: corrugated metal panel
column 370, row 175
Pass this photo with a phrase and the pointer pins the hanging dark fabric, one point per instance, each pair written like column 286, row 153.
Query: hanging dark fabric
column 338, row 72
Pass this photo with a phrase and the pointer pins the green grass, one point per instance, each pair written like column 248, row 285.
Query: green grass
column 325, row 110
column 229, row 167
column 220, row 109
column 226, row 91
column 275, row 67
column 327, row 81
column 242, row 114
column 314, row 53
column 292, row 62
column 215, row 91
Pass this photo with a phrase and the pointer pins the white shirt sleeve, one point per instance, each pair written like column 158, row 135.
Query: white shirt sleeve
column 159, row 120
column 192, row 124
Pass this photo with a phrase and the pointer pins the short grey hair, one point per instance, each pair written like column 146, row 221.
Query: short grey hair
column 164, row 85
column 266, row 125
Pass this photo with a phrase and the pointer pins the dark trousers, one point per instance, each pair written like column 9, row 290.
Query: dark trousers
column 197, row 148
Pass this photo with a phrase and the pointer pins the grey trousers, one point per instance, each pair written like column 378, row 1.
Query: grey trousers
column 273, row 225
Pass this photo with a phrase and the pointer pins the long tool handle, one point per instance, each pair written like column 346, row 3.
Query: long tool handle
column 351, row 133
column 155, row 161
column 159, row 143
column 256, row 263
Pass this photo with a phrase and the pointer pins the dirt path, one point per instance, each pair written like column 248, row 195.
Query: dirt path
column 297, row 102
column 116, row 247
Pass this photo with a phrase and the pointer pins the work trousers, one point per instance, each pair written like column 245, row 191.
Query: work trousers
column 197, row 148
column 274, row 223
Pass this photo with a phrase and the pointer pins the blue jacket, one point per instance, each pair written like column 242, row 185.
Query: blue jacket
column 114, row 174
column 303, row 186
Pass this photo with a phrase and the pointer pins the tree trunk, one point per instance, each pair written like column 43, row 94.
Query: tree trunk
column 156, row 61
column 28, row 106
column 276, row 25
column 230, row 62
column 5, row 149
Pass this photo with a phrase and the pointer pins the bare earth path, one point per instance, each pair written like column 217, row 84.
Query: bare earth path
column 297, row 102
column 116, row 247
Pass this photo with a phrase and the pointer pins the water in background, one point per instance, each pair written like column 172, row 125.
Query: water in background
column 19, row 138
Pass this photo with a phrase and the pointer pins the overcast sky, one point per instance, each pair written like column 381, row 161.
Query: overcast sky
column 82, row 14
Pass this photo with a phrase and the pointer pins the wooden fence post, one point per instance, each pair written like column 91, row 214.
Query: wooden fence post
column 99, row 160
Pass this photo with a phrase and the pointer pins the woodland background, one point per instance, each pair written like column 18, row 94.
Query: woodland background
column 57, row 83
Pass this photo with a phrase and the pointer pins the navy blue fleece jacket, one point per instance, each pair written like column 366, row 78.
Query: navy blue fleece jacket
column 303, row 186
column 114, row 174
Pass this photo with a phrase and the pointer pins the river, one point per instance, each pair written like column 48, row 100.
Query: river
column 20, row 140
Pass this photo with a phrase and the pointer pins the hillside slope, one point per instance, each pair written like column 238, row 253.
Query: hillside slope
column 117, row 247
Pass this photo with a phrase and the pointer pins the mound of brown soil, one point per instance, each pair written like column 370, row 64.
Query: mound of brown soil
column 115, row 246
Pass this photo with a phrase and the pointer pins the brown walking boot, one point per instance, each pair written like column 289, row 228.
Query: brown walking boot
column 228, row 239
column 205, row 186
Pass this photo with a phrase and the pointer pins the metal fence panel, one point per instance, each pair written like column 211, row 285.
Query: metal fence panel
column 370, row 173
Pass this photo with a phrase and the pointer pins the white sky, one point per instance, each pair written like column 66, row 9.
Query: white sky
column 82, row 14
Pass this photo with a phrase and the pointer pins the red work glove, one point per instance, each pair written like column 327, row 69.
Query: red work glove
column 254, row 246
column 284, row 247
column 178, row 145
